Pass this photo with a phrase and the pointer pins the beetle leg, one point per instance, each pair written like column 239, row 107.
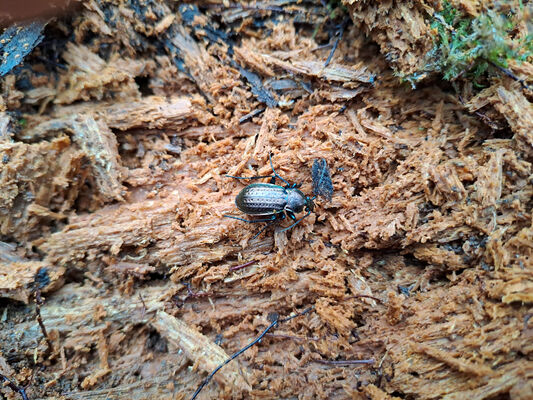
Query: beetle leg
column 293, row 186
column 272, row 218
column 291, row 215
column 296, row 223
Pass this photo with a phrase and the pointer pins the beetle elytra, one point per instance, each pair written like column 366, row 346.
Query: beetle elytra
column 268, row 202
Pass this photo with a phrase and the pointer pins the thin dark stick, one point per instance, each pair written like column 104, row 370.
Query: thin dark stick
column 235, row 355
column 38, row 302
column 250, row 115
column 297, row 315
column 341, row 32
column 13, row 386
column 510, row 74
column 238, row 267
column 238, row 353
column 190, row 294
column 279, row 335
column 344, row 362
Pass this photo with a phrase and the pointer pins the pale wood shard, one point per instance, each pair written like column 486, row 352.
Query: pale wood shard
column 92, row 77
column 515, row 108
column 482, row 99
column 489, row 183
column 196, row 57
column 500, row 385
column 139, row 270
column 205, row 354
column 5, row 133
column 250, row 58
column 151, row 113
column 352, row 76
column 72, row 314
column 522, row 69
column 460, row 365
column 100, row 146
column 437, row 255
column 346, row 74
column 518, row 112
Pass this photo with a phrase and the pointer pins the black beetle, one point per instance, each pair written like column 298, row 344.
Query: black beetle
column 271, row 201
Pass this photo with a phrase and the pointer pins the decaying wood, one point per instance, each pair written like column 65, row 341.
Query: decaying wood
column 17, row 279
column 197, row 347
column 405, row 47
column 38, row 183
column 114, row 189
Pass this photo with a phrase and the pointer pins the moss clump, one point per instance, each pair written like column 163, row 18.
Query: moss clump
column 474, row 47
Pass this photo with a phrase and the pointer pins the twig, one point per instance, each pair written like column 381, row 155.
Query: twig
column 322, row 47
column 13, row 386
column 38, row 303
column 235, row 355
column 250, row 115
column 238, row 267
column 192, row 294
column 279, row 335
column 275, row 322
column 345, row 362
column 510, row 74
column 380, row 370
column 339, row 37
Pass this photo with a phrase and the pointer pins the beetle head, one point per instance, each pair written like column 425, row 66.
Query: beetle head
column 309, row 203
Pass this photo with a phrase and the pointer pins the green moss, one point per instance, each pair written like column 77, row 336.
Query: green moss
column 336, row 8
column 474, row 48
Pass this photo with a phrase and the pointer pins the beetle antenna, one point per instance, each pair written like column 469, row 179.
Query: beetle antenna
column 249, row 177
column 252, row 221
column 273, row 170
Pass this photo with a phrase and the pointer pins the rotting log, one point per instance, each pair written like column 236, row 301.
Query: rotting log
column 421, row 261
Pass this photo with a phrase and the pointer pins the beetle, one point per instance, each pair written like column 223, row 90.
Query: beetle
column 268, row 202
